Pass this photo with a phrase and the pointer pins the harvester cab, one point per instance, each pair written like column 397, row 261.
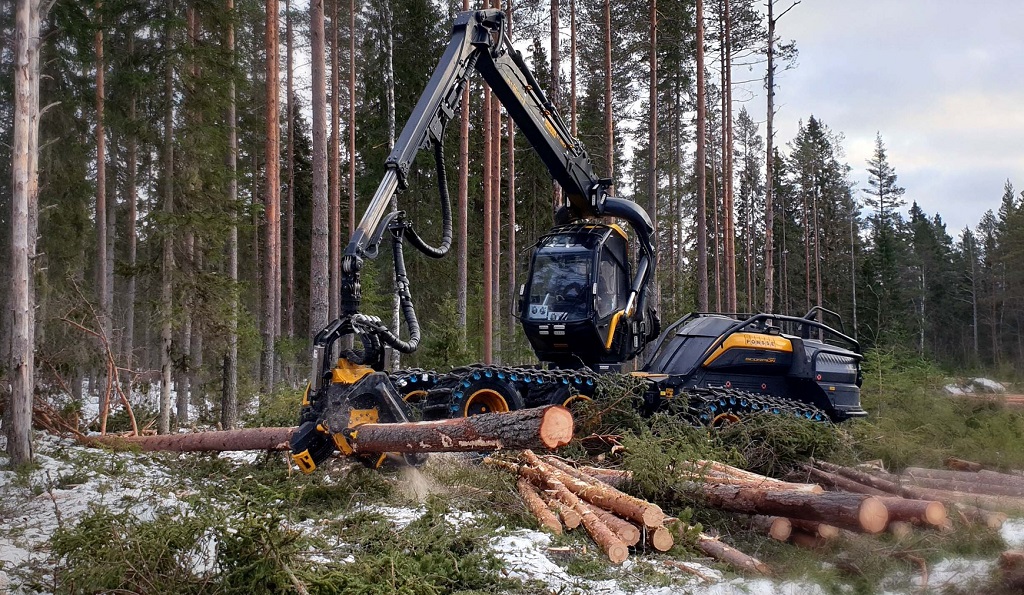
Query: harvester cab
column 578, row 304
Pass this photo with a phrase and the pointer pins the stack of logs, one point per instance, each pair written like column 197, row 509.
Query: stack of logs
column 558, row 495
column 804, row 514
column 976, row 496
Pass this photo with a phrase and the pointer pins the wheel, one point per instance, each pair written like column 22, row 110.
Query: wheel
column 484, row 391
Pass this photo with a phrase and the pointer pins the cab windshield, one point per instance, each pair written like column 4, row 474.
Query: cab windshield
column 560, row 286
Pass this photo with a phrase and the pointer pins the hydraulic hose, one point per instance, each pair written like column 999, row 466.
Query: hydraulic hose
column 446, row 211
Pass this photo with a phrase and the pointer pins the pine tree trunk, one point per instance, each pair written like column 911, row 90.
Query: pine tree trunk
column 25, row 189
column 488, row 332
column 105, row 293
column 727, row 157
column 351, row 117
column 769, row 175
column 271, row 202
column 334, row 293
column 229, row 396
column 496, row 218
column 555, row 94
column 289, row 216
column 701, row 163
column 572, row 67
column 167, row 243
column 128, row 343
column 511, row 138
column 652, row 164
column 463, row 209
column 609, row 117
column 319, row 276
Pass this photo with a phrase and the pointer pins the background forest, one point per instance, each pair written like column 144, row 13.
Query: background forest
column 201, row 163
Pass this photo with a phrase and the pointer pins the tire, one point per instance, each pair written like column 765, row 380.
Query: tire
column 484, row 390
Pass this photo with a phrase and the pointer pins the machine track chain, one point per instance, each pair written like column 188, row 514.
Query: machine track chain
column 712, row 406
column 441, row 395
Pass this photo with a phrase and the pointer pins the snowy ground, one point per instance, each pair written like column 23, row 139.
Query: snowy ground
column 70, row 480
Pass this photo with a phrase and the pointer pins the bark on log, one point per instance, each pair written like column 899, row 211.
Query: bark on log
column 806, row 540
column 918, row 512
column 961, row 465
column 548, row 427
column 626, row 506
column 537, row 507
column 570, row 518
column 610, row 544
column 843, row 484
column 719, row 551
column 613, row 477
column 226, row 440
column 822, row 530
column 981, row 478
column 842, row 509
column 968, row 510
column 900, row 529
column 776, row 527
column 626, row 530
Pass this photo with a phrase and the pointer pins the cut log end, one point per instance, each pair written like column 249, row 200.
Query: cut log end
column 557, row 428
column 873, row 515
column 660, row 539
column 935, row 514
column 617, row 553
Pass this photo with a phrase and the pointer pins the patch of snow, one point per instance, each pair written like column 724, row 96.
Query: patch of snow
column 399, row 516
column 987, row 385
column 956, row 572
column 954, row 390
column 1012, row 533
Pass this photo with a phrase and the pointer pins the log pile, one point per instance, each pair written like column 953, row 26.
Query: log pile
column 615, row 520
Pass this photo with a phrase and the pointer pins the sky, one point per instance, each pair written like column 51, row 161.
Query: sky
column 941, row 80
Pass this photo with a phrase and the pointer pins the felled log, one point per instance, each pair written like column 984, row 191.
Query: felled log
column 537, row 507
column 822, row 530
column 660, row 539
column 844, row 484
column 569, row 517
column 719, row 551
column 547, row 427
column 900, row 529
column 917, row 512
column 626, row 531
column 806, row 540
column 605, row 496
column 613, row 477
column 225, row 440
column 982, row 475
column 961, row 465
column 966, row 487
column 853, row 511
column 610, row 544
column 968, row 510
column 715, row 472
column 776, row 527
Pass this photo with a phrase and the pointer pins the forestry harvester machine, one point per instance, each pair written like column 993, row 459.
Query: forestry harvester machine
column 583, row 305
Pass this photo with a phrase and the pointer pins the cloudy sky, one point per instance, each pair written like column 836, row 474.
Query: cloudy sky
column 941, row 80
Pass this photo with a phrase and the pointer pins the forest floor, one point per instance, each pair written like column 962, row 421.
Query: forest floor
column 84, row 520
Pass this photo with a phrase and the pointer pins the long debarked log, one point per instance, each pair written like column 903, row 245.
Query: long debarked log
column 548, row 427
column 842, row 509
column 226, row 440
